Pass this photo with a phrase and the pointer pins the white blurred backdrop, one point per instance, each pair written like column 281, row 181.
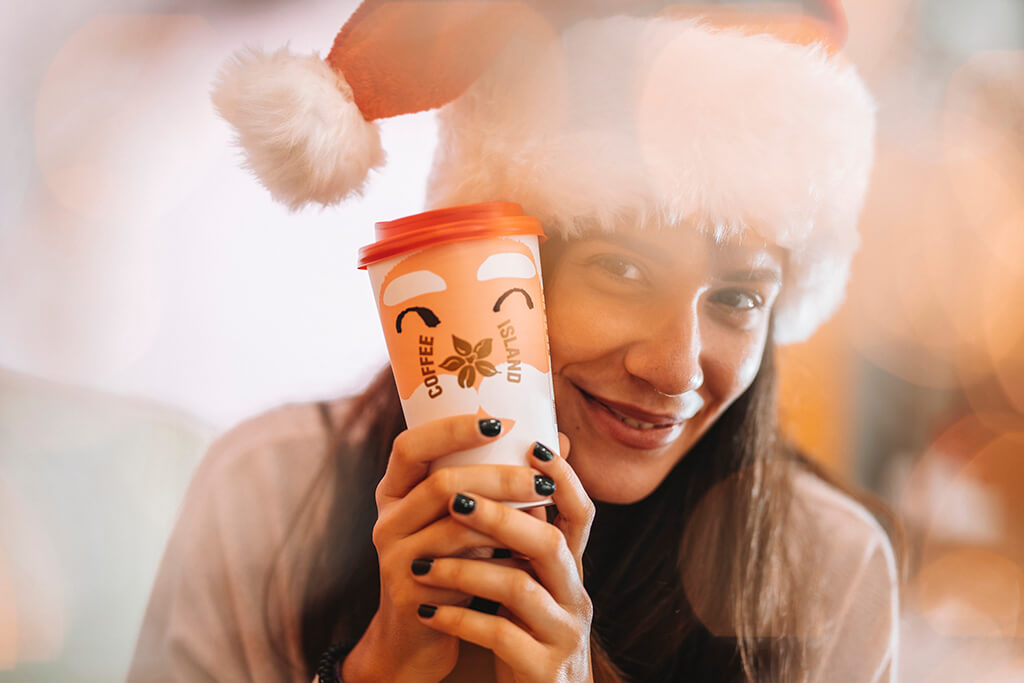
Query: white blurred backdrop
column 136, row 255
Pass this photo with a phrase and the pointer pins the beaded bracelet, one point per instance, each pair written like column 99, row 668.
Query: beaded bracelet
column 327, row 670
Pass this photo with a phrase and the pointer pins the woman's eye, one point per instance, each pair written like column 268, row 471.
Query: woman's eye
column 619, row 267
column 739, row 300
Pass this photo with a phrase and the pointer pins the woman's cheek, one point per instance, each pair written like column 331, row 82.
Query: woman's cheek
column 733, row 362
column 572, row 322
column 748, row 368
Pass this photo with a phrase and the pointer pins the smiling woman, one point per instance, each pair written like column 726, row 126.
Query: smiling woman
column 692, row 225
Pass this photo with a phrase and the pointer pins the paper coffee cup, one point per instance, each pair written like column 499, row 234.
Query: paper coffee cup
column 461, row 303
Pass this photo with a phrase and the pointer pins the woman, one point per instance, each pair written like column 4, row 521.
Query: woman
column 694, row 221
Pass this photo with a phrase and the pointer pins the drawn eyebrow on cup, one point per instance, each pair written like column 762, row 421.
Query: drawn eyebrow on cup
column 428, row 317
column 506, row 264
column 411, row 285
column 501, row 299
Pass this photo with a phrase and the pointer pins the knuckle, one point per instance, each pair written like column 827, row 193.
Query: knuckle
column 456, row 429
column 400, row 447
column 554, row 541
column 501, row 515
column 454, row 572
column 381, row 532
column 586, row 608
column 377, row 536
column 378, row 494
column 523, row 585
column 572, row 634
column 442, row 482
column 504, row 636
column 510, row 480
column 589, row 509
column 456, row 617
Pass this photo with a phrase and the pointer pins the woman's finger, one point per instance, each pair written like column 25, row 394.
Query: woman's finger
column 541, row 542
column 575, row 509
column 428, row 501
column 513, row 588
column 414, row 449
column 510, row 643
column 444, row 538
column 441, row 539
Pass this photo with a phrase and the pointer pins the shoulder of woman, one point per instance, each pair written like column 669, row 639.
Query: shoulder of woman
column 279, row 451
column 246, row 496
column 826, row 512
column 838, row 540
column 848, row 579
column 223, row 562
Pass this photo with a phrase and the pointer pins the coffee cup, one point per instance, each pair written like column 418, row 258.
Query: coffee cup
column 461, row 303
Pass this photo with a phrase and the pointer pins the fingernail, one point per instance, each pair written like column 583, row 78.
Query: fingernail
column 501, row 554
column 463, row 504
column 542, row 452
column 484, row 605
column 426, row 611
column 421, row 566
column 490, row 427
column 543, row 485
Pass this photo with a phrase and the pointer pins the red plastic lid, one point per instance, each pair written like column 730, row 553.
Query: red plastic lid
column 451, row 224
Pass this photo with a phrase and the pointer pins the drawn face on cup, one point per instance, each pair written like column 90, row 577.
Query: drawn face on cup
column 470, row 309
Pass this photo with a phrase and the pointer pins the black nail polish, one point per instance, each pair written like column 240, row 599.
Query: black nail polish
column 421, row 566
column 543, row 485
column 463, row 504
column 426, row 611
column 542, row 452
column 501, row 554
column 484, row 605
column 490, row 427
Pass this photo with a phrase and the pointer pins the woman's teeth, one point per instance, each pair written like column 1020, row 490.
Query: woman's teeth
column 635, row 424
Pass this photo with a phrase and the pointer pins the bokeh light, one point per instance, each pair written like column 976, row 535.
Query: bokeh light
column 122, row 123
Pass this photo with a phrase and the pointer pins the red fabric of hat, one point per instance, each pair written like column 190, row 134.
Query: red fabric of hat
column 307, row 127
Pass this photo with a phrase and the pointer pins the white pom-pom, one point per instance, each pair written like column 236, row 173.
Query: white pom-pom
column 302, row 133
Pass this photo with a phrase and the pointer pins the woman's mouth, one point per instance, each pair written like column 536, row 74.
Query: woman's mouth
column 632, row 430
column 632, row 422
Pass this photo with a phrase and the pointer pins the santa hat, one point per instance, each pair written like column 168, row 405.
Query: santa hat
column 706, row 119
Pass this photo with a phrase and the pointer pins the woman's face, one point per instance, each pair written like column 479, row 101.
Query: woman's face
column 653, row 335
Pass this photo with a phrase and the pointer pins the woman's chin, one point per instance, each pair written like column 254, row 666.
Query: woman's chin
column 609, row 480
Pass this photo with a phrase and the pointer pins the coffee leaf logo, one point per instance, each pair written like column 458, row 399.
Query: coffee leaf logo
column 469, row 361
column 462, row 347
column 452, row 363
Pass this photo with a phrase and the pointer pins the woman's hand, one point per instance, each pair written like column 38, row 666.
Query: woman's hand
column 414, row 524
column 545, row 634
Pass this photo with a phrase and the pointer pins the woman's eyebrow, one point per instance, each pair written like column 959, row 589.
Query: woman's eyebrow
column 654, row 252
column 769, row 275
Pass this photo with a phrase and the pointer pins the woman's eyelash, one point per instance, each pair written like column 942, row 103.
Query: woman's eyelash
column 739, row 299
column 619, row 266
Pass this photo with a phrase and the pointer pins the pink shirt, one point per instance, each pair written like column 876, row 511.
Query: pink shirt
column 205, row 619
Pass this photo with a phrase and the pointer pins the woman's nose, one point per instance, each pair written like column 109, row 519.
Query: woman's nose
column 667, row 354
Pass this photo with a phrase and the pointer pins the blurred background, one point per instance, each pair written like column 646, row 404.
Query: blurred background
column 152, row 295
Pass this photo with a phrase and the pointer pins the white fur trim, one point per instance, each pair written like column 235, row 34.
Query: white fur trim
column 302, row 134
column 663, row 121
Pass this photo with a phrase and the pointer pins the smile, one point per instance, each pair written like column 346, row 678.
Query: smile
column 632, row 422
column 640, row 429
